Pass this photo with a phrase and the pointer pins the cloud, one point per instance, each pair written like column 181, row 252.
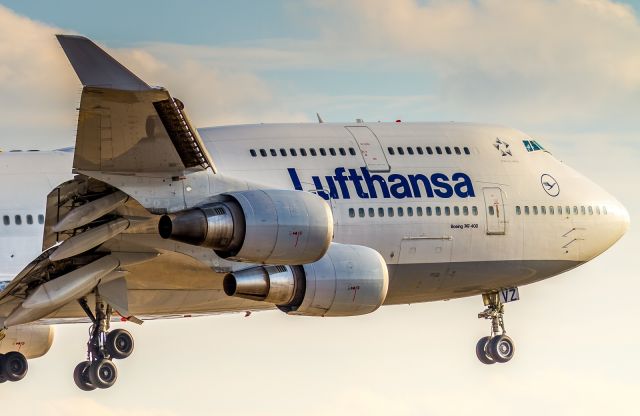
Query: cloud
column 546, row 60
column 40, row 91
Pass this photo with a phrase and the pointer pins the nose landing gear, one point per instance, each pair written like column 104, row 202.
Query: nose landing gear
column 497, row 347
column 99, row 371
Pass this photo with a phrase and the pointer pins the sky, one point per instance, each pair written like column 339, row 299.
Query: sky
column 565, row 71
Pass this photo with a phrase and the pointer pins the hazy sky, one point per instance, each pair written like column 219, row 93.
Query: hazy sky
column 566, row 71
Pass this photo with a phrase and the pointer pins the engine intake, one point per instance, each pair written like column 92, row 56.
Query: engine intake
column 349, row 280
column 262, row 226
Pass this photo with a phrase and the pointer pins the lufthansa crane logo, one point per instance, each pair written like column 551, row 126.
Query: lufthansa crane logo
column 550, row 185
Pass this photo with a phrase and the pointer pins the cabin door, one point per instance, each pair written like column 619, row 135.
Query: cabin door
column 494, row 211
column 370, row 148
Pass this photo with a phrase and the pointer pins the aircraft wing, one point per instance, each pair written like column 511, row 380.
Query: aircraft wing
column 124, row 125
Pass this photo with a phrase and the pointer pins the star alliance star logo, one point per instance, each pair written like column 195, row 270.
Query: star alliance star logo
column 503, row 147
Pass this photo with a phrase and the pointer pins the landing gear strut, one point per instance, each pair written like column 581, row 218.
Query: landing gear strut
column 98, row 371
column 497, row 347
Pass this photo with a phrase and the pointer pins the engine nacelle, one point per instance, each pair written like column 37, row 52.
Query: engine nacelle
column 32, row 341
column 262, row 226
column 349, row 280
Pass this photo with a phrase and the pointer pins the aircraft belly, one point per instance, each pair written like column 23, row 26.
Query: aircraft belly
column 413, row 283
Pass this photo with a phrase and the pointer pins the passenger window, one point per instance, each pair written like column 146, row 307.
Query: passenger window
column 590, row 208
column 361, row 212
column 429, row 211
column 352, row 151
column 390, row 211
column 6, row 220
column 253, row 152
column 456, row 210
column 419, row 211
column 263, row 153
column 518, row 210
column 410, row 150
column 457, row 150
column 18, row 220
column 29, row 219
column 438, row 150
column 40, row 219
column 293, row 152
column 466, row 151
column 447, row 211
column 474, row 210
column 567, row 210
column 332, row 151
column 447, row 149
column 598, row 210
column 419, row 150
column 543, row 210
column 283, row 152
column 400, row 150
column 372, row 212
column 438, row 211
column 303, row 152
column 400, row 212
column 342, row 151
column 465, row 211
column 429, row 150
column 390, row 150
column 559, row 210
column 526, row 210
column 352, row 212
column 583, row 211
column 380, row 212
column 551, row 210
column 535, row 210
column 273, row 152
column 575, row 210
column 410, row 211
column 491, row 210
column 323, row 152
column 604, row 209
column 313, row 152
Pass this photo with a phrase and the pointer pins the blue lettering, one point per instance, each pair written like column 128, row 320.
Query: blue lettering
column 394, row 185
column 440, row 180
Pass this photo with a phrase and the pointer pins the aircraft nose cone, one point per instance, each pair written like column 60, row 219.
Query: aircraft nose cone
column 624, row 220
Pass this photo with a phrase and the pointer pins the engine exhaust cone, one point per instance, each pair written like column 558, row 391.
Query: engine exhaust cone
column 188, row 227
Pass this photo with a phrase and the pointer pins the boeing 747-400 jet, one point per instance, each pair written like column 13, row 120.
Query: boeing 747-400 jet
column 149, row 217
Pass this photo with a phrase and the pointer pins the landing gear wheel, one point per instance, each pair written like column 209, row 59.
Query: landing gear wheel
column 481, row 351
column 119, row 344
column 103, row 374
column 14, row 366
column 81, row 376
column 3, row 377
column 501, row 348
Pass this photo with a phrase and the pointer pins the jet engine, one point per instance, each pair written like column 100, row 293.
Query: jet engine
column 348, row 280
column 261, row 226
column 32, row 341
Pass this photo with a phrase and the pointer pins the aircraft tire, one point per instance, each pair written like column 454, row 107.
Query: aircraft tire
column 481, row 351
column 14, row 366
column 501, row 348
column 81, row 376
column 103, row 374
column 119, row 343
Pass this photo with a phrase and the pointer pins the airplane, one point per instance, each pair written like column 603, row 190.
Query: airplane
column 148, row 217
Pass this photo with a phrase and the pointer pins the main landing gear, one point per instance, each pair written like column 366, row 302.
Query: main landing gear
column 497, row 347
column 99, row 371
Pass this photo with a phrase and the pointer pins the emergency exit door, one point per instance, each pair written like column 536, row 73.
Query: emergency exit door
column 494, row 211
column 370, row 148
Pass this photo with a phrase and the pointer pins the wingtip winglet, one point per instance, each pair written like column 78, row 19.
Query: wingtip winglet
column 95, row 67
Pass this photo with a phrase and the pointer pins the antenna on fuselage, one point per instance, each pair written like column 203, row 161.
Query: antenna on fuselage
column 320, row 120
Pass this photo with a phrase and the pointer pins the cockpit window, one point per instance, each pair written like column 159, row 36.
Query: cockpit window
column 532, row 146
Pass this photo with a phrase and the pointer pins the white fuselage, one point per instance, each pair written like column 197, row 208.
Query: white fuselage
column 454, row 209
